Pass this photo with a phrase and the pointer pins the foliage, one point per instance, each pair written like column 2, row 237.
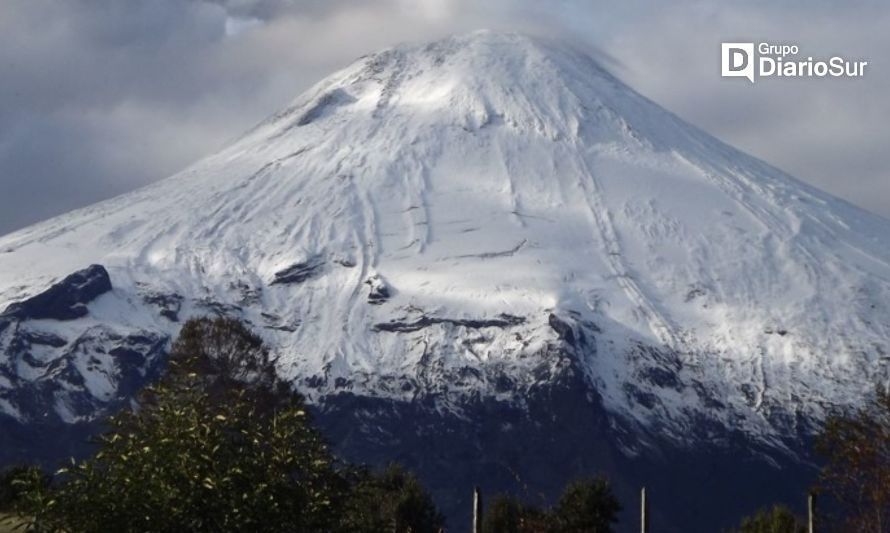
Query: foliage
column 586, row 506
column 503, row 515
column 222, row 349
column 506, row 514
column 392, row 500
column 778, row 519
column 23, row 487
column 220, row 444
column 856, row 447
column 16, row 483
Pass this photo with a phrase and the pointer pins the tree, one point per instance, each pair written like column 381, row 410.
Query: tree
column 586, row 506
column 778, row 519
column 506, row 514
column 392, row 500
column 503, row 515
column 218, row 445
column 15, row 483
column 33, row 507
column 856, row 447
column 20, row 487
column 221, row 354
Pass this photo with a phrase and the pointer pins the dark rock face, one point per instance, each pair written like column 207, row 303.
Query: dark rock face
column 378, row 296
column 66, row 300
column 221, row 309
column 298, row 272
column 168, row 305
column 402, row 326
column 324, row 105
column 561, row 433
column 379, row 292
column 80, row 379
column 562, row 329
column 39, row 338
column 56, row 388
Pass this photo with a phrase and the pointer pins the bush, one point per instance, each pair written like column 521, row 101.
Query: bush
column 506, row 514
column 778, row 519
column 503, row 515
column 587, row 506
column 392, row 500
column 16, row 482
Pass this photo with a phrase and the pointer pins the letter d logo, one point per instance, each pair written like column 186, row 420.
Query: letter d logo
column 737, row 60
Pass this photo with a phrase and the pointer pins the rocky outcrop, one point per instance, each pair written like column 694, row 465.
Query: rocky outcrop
column 298, row 272
column 168, row 305
column 57, row 380
column 379, row 291
column 503, row 320
column 65, row 300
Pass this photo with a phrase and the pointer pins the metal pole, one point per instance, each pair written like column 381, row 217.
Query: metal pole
column 644, row 514
column 477, row 510
column 811, row 513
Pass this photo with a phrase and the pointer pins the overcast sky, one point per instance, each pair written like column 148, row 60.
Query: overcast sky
column 98, row 97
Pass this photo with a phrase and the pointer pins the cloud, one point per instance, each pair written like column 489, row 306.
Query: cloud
column 829, row 132
column 101, row 96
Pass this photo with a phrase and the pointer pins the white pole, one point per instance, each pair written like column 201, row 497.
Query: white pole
column 644, row 515
column 477, row 510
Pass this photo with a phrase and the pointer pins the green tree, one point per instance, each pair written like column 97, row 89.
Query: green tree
column 778, row 519
column 392, row 500
column 223, row 348
column 219, row 445
column 586, row 506
column 16, row 482
column 506, row 514
column 856, row 448
column 27, row 489
column 502, row 515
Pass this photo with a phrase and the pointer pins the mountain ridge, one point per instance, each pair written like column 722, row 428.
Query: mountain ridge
column 430, row 220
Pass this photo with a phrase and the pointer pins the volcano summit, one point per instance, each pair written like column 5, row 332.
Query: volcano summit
column 453, row 243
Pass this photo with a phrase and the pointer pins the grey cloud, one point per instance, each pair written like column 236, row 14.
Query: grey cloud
column 831, row 133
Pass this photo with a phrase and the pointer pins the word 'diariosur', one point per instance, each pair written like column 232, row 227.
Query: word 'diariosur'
column 744, row 60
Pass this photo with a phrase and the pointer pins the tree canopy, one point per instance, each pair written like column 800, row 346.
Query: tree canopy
column 585, row 506
column 220, row 444
column 856, row 476
column 777, row 519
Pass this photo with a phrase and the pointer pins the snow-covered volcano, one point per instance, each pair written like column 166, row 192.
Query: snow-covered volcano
column 446, row 220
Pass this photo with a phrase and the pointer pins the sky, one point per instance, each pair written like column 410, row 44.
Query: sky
column 99, row 97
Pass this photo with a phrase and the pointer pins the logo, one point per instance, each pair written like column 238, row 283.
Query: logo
column 738, row 60
column 765, row 60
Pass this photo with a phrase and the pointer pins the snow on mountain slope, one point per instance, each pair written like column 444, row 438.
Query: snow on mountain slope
column 438, row 219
